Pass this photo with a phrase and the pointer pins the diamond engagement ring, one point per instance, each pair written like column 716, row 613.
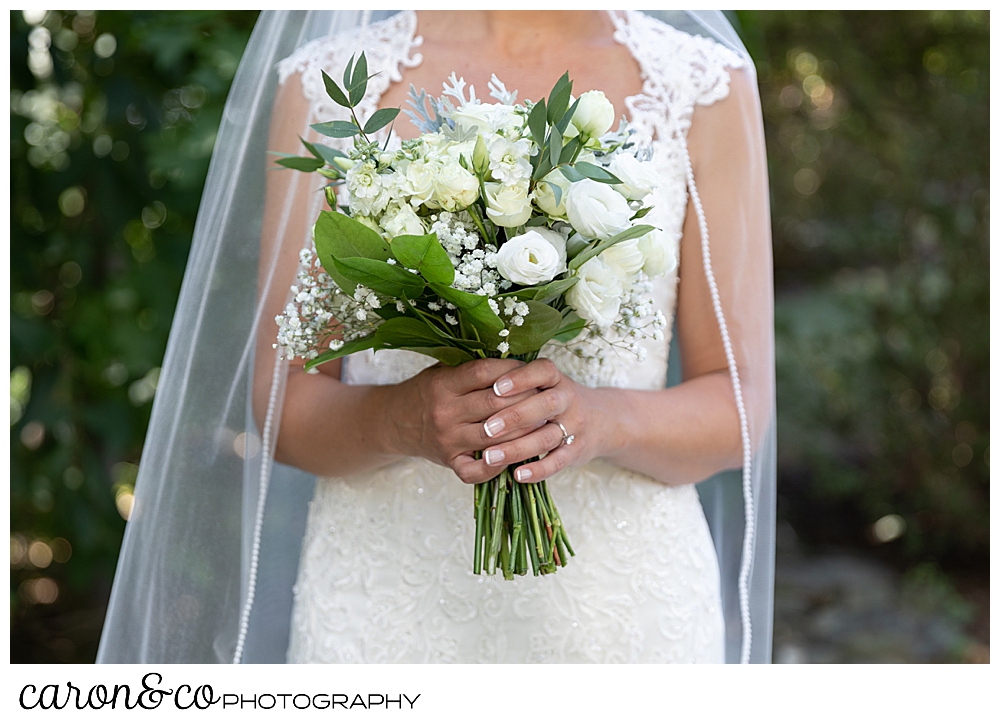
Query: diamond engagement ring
column 567, row 438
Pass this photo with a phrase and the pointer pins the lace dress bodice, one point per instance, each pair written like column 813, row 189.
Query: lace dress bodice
column 385, row 571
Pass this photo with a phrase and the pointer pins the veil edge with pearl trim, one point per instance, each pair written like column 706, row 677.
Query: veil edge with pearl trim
column 211, row 551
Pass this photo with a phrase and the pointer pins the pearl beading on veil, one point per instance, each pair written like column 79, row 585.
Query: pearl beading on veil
column 749, row 518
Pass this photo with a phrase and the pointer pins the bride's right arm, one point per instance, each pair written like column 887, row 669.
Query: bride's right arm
column 328, row 427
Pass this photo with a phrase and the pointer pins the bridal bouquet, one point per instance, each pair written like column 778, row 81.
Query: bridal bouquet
column 502, row 227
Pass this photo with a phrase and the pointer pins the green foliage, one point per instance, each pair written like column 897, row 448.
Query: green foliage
column 877, row 128
column 109, row 144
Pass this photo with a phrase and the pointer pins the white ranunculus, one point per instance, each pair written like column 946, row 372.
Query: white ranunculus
column 366, row 193
column 455, row 187
column 509, row 162
column 419, row 183
column 595, row 114
column 638, row 177
column 660, row 250
column 596, row 210
column 625, row 258
column 532, row 258
column 545, row 197
column 597, row 297
column 508, row 206
column 399, row 220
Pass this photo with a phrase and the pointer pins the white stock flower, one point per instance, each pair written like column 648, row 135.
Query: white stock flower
column 402, row 219
column 535, row 256
column 625, row 258
column 545, row 197
column 596, row 210
column 595, row 114
column 508, row 205
column 638, row 177
column 454, row 187
column 365, row 189
column 660, row 250
column 597, row 297
column 509, row 162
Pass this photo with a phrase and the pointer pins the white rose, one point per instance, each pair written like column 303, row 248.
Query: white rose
column 400, row 220
column 638, row 177
column 660, row 250
column 455, row 187
column 545, row 197
column 596, row 210
column 557, row 240
column 508, row 205
column 625, row 258
column 532, row 258
column 597, row 297
column 595, row 114
column 419, row 182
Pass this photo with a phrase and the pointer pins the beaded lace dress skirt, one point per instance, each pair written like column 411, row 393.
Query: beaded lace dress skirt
column 386, row 569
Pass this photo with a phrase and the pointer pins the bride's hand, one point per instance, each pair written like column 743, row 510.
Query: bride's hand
column 530, row 427
column 439, row 414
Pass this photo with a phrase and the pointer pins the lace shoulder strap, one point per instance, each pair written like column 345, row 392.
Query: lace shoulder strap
column 388, row 46
column 679, row 71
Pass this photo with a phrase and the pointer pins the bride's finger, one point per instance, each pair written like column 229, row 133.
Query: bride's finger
column 482, row 404
column 541, row 373
column 536, row 443
column 528, row 414
column 548, row 466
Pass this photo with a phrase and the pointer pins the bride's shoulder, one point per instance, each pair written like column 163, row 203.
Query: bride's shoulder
column 386, row 43
column 691, row 69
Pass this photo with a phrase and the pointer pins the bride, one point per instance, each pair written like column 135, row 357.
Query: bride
column 382, row 561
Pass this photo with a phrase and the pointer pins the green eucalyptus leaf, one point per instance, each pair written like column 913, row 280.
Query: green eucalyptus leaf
column 325, row 152
column 537, row 221
column 544, row 166
column 569, row 150
column 301, row 163
column 385, row 278
column 333, row 90
column 336, row 129
column 537, row 122
column 555, row 147
column 567, row 117
column 559, row 98
column 347, row 72
column 349, row 348
column 596, row 173
column 641, row 212
column 540, row 325
column 381, row 118
column 571, row 174
column 426, row 255
column 634, row 233
column 360, row 73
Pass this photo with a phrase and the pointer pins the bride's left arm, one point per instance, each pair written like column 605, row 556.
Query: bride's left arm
column 685, row 433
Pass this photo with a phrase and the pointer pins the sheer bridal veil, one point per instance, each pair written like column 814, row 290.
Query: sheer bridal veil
column 211, row 550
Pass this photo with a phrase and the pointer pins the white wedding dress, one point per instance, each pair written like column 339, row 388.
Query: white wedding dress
column 385, row 572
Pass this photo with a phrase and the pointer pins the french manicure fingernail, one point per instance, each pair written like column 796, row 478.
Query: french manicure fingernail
column 493, row 427
column 502, row 386
column 522, row 474
column 494, row 456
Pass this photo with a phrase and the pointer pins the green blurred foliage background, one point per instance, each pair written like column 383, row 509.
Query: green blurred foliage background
column 877, row 127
